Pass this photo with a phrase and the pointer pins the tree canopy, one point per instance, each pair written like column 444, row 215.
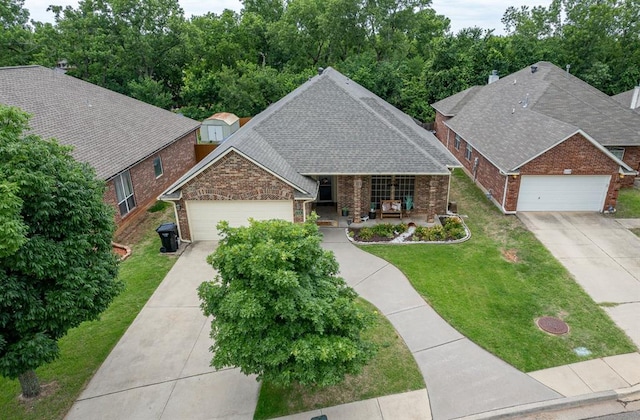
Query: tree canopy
column 241, row 62
column 57, row 267
column 279, row 309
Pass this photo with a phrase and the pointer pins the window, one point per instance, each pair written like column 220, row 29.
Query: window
column 157, row 166
column 380, row 189
column 387, row 187
column 617, row 152
column 124, row 193
column 456, row 144
column 403, row 186
column 467, row 152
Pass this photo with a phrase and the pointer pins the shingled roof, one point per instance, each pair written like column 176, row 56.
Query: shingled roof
column 110, row 131
column 520, row 116
column 332, row 125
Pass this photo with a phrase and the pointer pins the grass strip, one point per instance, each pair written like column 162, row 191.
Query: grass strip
column 84, row 348
column 493, row 287
column 393, row 370
column 628, row 203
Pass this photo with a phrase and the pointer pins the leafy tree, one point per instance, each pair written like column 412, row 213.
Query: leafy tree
column 279, row 309
column 16, row 38
column 59, row 269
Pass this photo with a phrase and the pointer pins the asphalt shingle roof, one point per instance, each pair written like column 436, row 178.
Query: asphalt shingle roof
column 332, row 125
column 108, row 130
column 526, row 113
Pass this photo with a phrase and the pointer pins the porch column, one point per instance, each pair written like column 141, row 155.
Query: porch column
column 357, row 198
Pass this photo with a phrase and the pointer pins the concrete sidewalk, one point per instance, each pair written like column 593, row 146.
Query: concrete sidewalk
column 160, row 367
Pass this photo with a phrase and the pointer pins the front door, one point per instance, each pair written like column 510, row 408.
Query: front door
column 325, row 193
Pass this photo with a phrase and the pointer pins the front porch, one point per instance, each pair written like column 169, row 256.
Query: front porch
column 329, row 215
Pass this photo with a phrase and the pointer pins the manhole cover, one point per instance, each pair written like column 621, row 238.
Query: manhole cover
column 552, row 325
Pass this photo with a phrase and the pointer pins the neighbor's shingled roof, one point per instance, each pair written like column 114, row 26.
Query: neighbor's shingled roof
column 625, row 99
column 526, row 113
column 110, row 131
column 332, row 125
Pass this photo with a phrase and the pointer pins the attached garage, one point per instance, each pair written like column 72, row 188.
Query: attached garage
column 204, row 215
column 563, row 193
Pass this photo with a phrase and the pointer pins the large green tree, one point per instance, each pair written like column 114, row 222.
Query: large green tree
column 279, row 309
column 57, row 267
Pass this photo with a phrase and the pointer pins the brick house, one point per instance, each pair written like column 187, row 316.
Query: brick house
column 329, row 142
column 541, row 139
column 137, row 148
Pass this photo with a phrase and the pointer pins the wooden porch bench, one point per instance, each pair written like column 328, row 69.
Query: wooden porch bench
column 390, row 208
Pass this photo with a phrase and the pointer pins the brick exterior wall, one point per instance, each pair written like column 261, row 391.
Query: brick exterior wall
column 176, row 159
column 632, row 158
column 576, row 153
column 235, row 178
column 430, row 194
column 582, row 157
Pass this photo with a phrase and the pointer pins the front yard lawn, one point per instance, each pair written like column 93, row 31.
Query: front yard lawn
column 628, row 203
column 393, row 370
column 84, row 349
column 493, row 287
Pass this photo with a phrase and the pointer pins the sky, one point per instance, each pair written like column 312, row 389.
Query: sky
column 462, row 13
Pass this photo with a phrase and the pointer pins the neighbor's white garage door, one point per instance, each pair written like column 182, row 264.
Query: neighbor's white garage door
column 205, row 215
column 563, row 193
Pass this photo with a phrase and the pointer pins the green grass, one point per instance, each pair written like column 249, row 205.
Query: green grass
column 492, row 287
column 628, row 203
column 393, row 370
column 84, row 348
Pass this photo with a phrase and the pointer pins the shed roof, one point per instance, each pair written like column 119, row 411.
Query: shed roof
column 108, row 130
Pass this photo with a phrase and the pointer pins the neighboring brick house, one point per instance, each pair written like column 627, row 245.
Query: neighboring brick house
column 541, row 139
column 137, row 148
column 331, row 142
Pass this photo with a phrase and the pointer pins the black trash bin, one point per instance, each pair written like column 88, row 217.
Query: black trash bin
column 169, row 236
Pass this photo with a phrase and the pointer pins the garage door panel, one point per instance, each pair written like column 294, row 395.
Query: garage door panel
column 563, row 193
column 205, row 215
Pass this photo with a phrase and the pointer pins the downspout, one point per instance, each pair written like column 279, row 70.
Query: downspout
column 449, row 187
column 504, row 194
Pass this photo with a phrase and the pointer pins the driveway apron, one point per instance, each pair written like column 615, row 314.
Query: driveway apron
column 160, row 367
column 462, row 379
column 602, row 255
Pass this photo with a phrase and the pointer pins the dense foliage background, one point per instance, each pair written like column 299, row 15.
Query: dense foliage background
column 241, row 62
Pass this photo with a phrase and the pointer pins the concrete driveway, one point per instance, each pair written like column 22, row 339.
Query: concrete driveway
column 603, row 256
column 160, row 367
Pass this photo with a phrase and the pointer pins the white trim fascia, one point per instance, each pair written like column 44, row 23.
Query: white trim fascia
column 223, row 154
column 381, row 173
column 160, row 197
column 591, row 140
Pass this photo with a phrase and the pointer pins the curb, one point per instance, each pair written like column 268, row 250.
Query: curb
column 557, row 404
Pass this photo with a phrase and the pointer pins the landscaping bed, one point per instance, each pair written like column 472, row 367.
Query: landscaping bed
column 450, row 229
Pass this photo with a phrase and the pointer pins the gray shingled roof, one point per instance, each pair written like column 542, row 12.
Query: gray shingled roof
column 524, row 114
column 625, row 98
column 108, row 130
column 332, row 125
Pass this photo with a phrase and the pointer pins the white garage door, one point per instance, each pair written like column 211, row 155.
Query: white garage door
column 205, row 215
column 563, row 193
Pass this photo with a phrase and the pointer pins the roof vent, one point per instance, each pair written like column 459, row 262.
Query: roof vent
column 534, row 69
column 568, row 67
column 320, row 70
column 493, row 77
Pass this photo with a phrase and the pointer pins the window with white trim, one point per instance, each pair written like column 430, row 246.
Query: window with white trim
column 617, row 152
column 467, row 152
column 157, row 167
column 456, row 143
column 124, row 193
